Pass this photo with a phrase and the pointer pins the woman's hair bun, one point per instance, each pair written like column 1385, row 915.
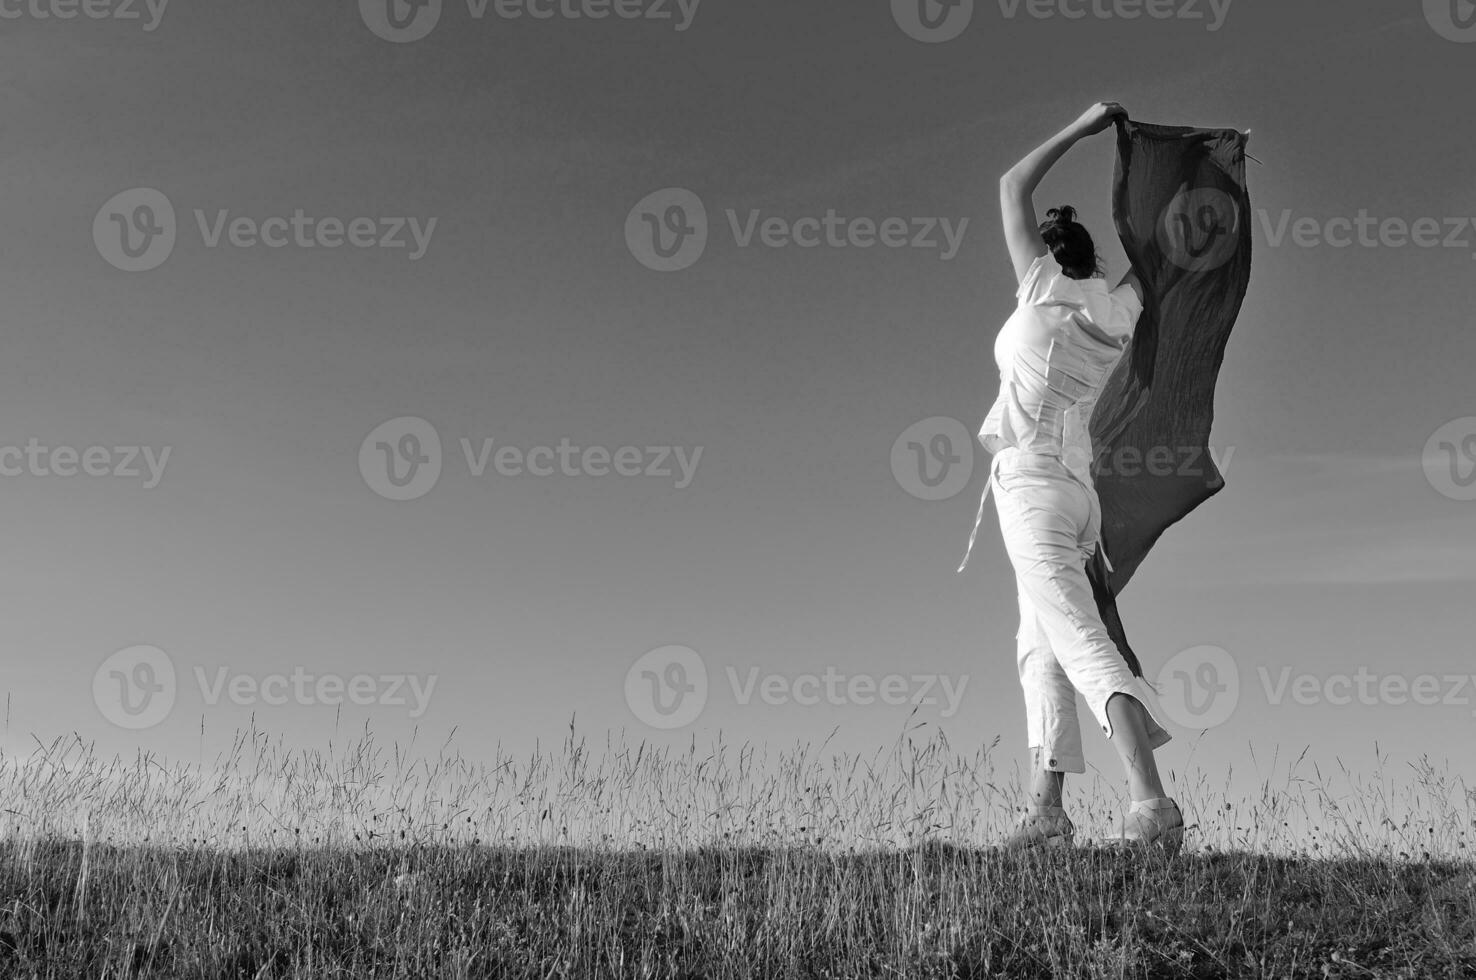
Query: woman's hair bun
column 1064, row 215
column 1070, row 243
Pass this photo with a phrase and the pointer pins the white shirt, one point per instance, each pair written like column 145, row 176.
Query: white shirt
column 1054, row 355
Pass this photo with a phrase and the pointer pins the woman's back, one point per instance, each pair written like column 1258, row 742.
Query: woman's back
column 1054, row 355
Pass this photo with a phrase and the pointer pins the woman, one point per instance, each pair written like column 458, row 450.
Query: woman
column 1054, row 355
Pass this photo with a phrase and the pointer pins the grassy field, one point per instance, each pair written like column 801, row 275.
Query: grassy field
column 928, row 911
column 361, row 862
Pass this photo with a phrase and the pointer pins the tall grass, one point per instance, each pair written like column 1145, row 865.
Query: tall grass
column 262, row 792
column 366, row 860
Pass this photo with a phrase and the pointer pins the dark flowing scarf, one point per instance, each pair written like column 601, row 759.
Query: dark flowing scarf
column 1183, row 213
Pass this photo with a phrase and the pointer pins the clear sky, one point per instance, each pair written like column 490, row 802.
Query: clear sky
column 528, row 319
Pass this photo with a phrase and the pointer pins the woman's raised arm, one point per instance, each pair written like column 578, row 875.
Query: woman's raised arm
column 1017, row 186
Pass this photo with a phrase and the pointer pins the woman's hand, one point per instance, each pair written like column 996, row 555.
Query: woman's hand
column 1098, row 118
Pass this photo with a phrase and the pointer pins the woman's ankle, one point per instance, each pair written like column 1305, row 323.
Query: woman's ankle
column 1144, row 792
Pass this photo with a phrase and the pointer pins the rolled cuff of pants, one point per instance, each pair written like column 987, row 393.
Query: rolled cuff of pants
column 1058, row 760
column 1051, row 725
column 1139, row 689
column 1053, row 729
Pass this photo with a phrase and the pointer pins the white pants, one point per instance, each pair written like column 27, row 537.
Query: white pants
column 1051, row 523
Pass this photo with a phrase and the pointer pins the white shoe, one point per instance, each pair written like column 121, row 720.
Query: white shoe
column 1152, row 822
column 1041, row 826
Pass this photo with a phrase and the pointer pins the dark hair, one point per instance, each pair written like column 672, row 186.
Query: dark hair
column 1070, row 243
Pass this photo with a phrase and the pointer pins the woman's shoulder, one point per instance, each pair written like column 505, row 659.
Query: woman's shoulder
column 1045, row 281
column 1039, row 280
